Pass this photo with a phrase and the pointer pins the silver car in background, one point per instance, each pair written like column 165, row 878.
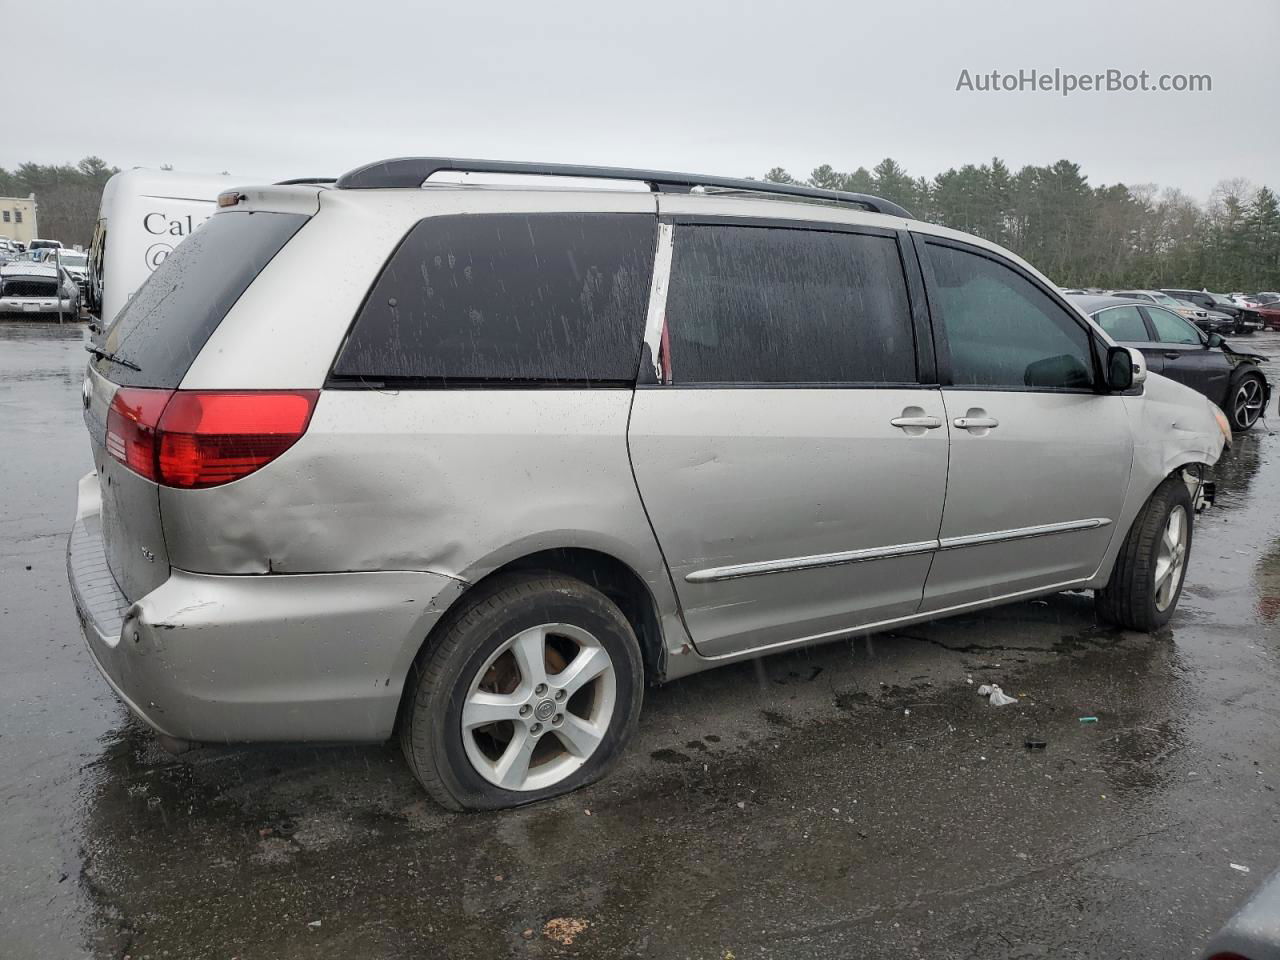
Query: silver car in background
column 477, row 477
column 39, row 289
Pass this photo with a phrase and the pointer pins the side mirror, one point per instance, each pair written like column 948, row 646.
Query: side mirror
column 1215, row 341
column 1124, row 368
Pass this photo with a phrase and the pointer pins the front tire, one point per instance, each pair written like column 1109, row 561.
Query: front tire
column 1146, row 581
column 1246, row 401
column 530, row 689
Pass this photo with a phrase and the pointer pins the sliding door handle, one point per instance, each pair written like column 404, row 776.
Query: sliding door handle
column 976, row 423
column 929, row 423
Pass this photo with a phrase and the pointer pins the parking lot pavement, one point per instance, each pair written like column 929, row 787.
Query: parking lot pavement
column 855, row 800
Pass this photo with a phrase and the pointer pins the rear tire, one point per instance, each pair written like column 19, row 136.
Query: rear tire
column 1147, row 579
column 530, row 689
column 1246, row 400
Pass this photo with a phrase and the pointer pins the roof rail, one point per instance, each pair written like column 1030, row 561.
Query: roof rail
column 412, row 172
column 304, row 181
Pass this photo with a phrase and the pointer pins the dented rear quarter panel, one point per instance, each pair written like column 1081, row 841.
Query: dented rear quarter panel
column 452, row 482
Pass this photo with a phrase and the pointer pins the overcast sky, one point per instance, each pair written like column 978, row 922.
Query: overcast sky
column 283, row 88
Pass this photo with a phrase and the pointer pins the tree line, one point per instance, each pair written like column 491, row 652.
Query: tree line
column 1079, row 235
column 67, row 195
column 1085, row 236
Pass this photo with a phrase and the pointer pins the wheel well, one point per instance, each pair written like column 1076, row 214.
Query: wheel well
column 615, row 580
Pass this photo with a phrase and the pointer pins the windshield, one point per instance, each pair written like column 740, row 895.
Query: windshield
column 73, row 260
column 1165, row 300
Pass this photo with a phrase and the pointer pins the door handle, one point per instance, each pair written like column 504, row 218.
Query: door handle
column 929, row 423
column 976, row 423
column 1172, row 355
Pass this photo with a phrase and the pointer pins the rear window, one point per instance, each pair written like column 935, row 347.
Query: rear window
column 517, row 298
column 28, row 286
column 173, row 314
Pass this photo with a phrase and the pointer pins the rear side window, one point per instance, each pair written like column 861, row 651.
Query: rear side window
column 1004, row 331
column 1123, row 324
column 773, row 305
column 542, row 298
column 173, row 314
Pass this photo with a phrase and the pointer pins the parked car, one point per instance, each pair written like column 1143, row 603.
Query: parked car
column 530, row 449
column 1207, row 320
column 1211, row 321
column 37, row 288
column 1269, row 314
column 77, row 265
column 38, row 244
column 1205, row 362
column 1188, row 311
column 1245, row 320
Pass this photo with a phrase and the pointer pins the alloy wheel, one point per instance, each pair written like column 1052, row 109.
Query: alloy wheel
column 1171, row 558
column 539, row 707
column 1246, row 405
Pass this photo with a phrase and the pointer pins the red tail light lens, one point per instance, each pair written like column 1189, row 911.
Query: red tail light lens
column 201, row 438
column 131, row 428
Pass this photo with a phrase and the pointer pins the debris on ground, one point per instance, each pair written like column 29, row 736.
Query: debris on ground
column 997, row 697
column 563, row 929
column 1239, row 866
column 1088, row 719
column 314, row 924
column 527, row 933
column 1031, row 743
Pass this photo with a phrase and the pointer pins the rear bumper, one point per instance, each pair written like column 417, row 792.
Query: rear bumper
column 35, row 305
column 318, row 657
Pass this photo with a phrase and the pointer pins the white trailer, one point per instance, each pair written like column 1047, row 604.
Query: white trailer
column 143, row 215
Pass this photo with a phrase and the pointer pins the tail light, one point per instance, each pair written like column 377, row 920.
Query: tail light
column 132, row 422
column 204, row 438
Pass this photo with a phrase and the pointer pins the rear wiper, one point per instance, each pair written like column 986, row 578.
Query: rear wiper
column 108, row 355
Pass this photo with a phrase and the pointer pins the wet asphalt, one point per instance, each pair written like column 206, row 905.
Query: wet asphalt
column 854, row 800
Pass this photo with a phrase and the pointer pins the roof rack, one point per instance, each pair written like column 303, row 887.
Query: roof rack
column 304, row 181
column 412, row 172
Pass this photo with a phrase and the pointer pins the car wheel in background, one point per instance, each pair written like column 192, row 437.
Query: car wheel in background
column 1247, row 399
column 530, row 689
column 1146, row 581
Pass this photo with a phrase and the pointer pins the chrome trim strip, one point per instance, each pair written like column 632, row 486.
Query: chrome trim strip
column 1021, row 533
column 715, row 574
column 658, row 296
column 790, row 564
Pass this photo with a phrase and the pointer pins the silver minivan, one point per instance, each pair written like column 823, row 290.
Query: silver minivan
column 472, row 465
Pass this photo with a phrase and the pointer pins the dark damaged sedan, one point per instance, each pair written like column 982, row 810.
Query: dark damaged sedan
column 1180, row 351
